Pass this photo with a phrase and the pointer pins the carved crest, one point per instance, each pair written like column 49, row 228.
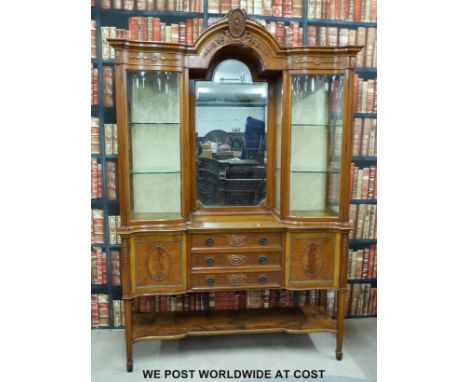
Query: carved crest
column 159, row 263
column 312, row 259
column 236, row 22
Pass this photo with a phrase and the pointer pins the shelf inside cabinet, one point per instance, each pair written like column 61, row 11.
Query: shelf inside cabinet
column 173, row 325
column 314, row 171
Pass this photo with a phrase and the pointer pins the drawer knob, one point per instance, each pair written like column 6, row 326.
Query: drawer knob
column 210, row 281
column 209, row 242
column 262, row 260
column 263, row 240
column 210, row 261
column 262, row 279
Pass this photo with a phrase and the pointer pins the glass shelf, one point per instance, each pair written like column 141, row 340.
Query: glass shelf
column 315, row 171
column 155, row 171
column 154, row 123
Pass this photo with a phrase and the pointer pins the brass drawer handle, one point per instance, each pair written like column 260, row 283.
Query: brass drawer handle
column 262, row 279
column 263, row 240
column 209, row 242
column 210, row 261
column 210, row 280
column 262, row 260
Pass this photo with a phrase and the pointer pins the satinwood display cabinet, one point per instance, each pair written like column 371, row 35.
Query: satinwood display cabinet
column 234, row 160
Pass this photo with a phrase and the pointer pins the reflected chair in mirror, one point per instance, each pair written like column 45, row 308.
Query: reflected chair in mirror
column 210, row 184
column 254, row 140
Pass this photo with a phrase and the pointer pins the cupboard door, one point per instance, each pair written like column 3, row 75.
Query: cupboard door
column 312, row 260
column 158, row 264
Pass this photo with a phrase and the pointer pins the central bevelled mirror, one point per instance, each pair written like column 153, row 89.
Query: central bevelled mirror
column 231, row 131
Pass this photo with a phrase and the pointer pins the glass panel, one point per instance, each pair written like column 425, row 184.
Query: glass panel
column 231, row 138
column 154, row 127
column 316, row 133
column 279, row 114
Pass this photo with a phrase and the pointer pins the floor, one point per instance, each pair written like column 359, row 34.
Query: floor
column 273, row 352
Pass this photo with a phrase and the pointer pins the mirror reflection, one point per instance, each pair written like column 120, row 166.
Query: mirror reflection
column 231, row 136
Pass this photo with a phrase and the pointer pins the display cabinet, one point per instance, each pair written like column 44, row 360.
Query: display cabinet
column 234, row 159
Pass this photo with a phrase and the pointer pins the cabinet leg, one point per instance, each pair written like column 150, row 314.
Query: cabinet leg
column 340, row 315
column 128, row 305
column 323, row 298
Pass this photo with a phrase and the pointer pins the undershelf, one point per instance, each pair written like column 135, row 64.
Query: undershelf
column 176, row 325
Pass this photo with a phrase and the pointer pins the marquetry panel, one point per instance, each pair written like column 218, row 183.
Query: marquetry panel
column 312, row 260
column 158, row 263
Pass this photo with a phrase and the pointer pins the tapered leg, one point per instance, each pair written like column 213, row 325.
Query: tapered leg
column 128, row 305
column 340, row 315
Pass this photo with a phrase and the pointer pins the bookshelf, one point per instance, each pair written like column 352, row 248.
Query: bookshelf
column 107, row 115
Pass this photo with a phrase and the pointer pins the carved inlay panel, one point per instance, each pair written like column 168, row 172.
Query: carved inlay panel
column 236, row 22
column 237, row 279
column 159, row 263
column 237, row 240
column 226, row 38
column 236, row 259
column 312, row 258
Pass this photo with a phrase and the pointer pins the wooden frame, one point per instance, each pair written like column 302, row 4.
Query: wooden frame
column 234, row 235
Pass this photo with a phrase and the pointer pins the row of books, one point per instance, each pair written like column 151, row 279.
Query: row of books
column 277, row 8
column 363, row 219
column 153, row 29
column 361, row 300
column 364, row 137
column 95, row 136
column 365, row 95
column 94, row 86
column 99, row 310
column 111, row 181
column 363, row 182
column 99, row 267
column 149, row 5
column 255, row 299
column 107, row 51
column 96, row 179
column 349, row 10
column 362, row 263
column 113, row 223
column 97, row 226
column 108, row 86
column 110, row 139
column 119, row 316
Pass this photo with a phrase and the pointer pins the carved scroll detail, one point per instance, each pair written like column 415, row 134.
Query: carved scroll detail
column 159, row 263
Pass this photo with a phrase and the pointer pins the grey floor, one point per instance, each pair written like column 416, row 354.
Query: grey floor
column 259, row 351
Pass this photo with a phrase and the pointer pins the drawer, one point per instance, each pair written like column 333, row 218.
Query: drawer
column 236, row 240
column 203, row 261
column 312, row 260
column 157, row 263
column 235, row 281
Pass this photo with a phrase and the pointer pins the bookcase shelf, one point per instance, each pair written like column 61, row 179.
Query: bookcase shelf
column 363, row 281
column 364, row 161
column 119, row 19
column 365, row 115
column 361, row 243
column 363, row 201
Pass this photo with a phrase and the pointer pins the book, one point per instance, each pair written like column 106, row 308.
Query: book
column 115, row 267
column 95, row 134
column 108, row 85
column 97, row 227
column 111, row 181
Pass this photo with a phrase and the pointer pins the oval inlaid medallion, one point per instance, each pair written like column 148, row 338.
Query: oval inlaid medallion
column 159, row 263
column 237, row 279
column 237, row 240
column 236, row 259
column 312, row 259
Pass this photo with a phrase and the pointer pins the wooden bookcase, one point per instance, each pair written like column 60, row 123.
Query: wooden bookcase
column 119, row 18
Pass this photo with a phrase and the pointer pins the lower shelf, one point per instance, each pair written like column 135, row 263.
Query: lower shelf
column 176, row 325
